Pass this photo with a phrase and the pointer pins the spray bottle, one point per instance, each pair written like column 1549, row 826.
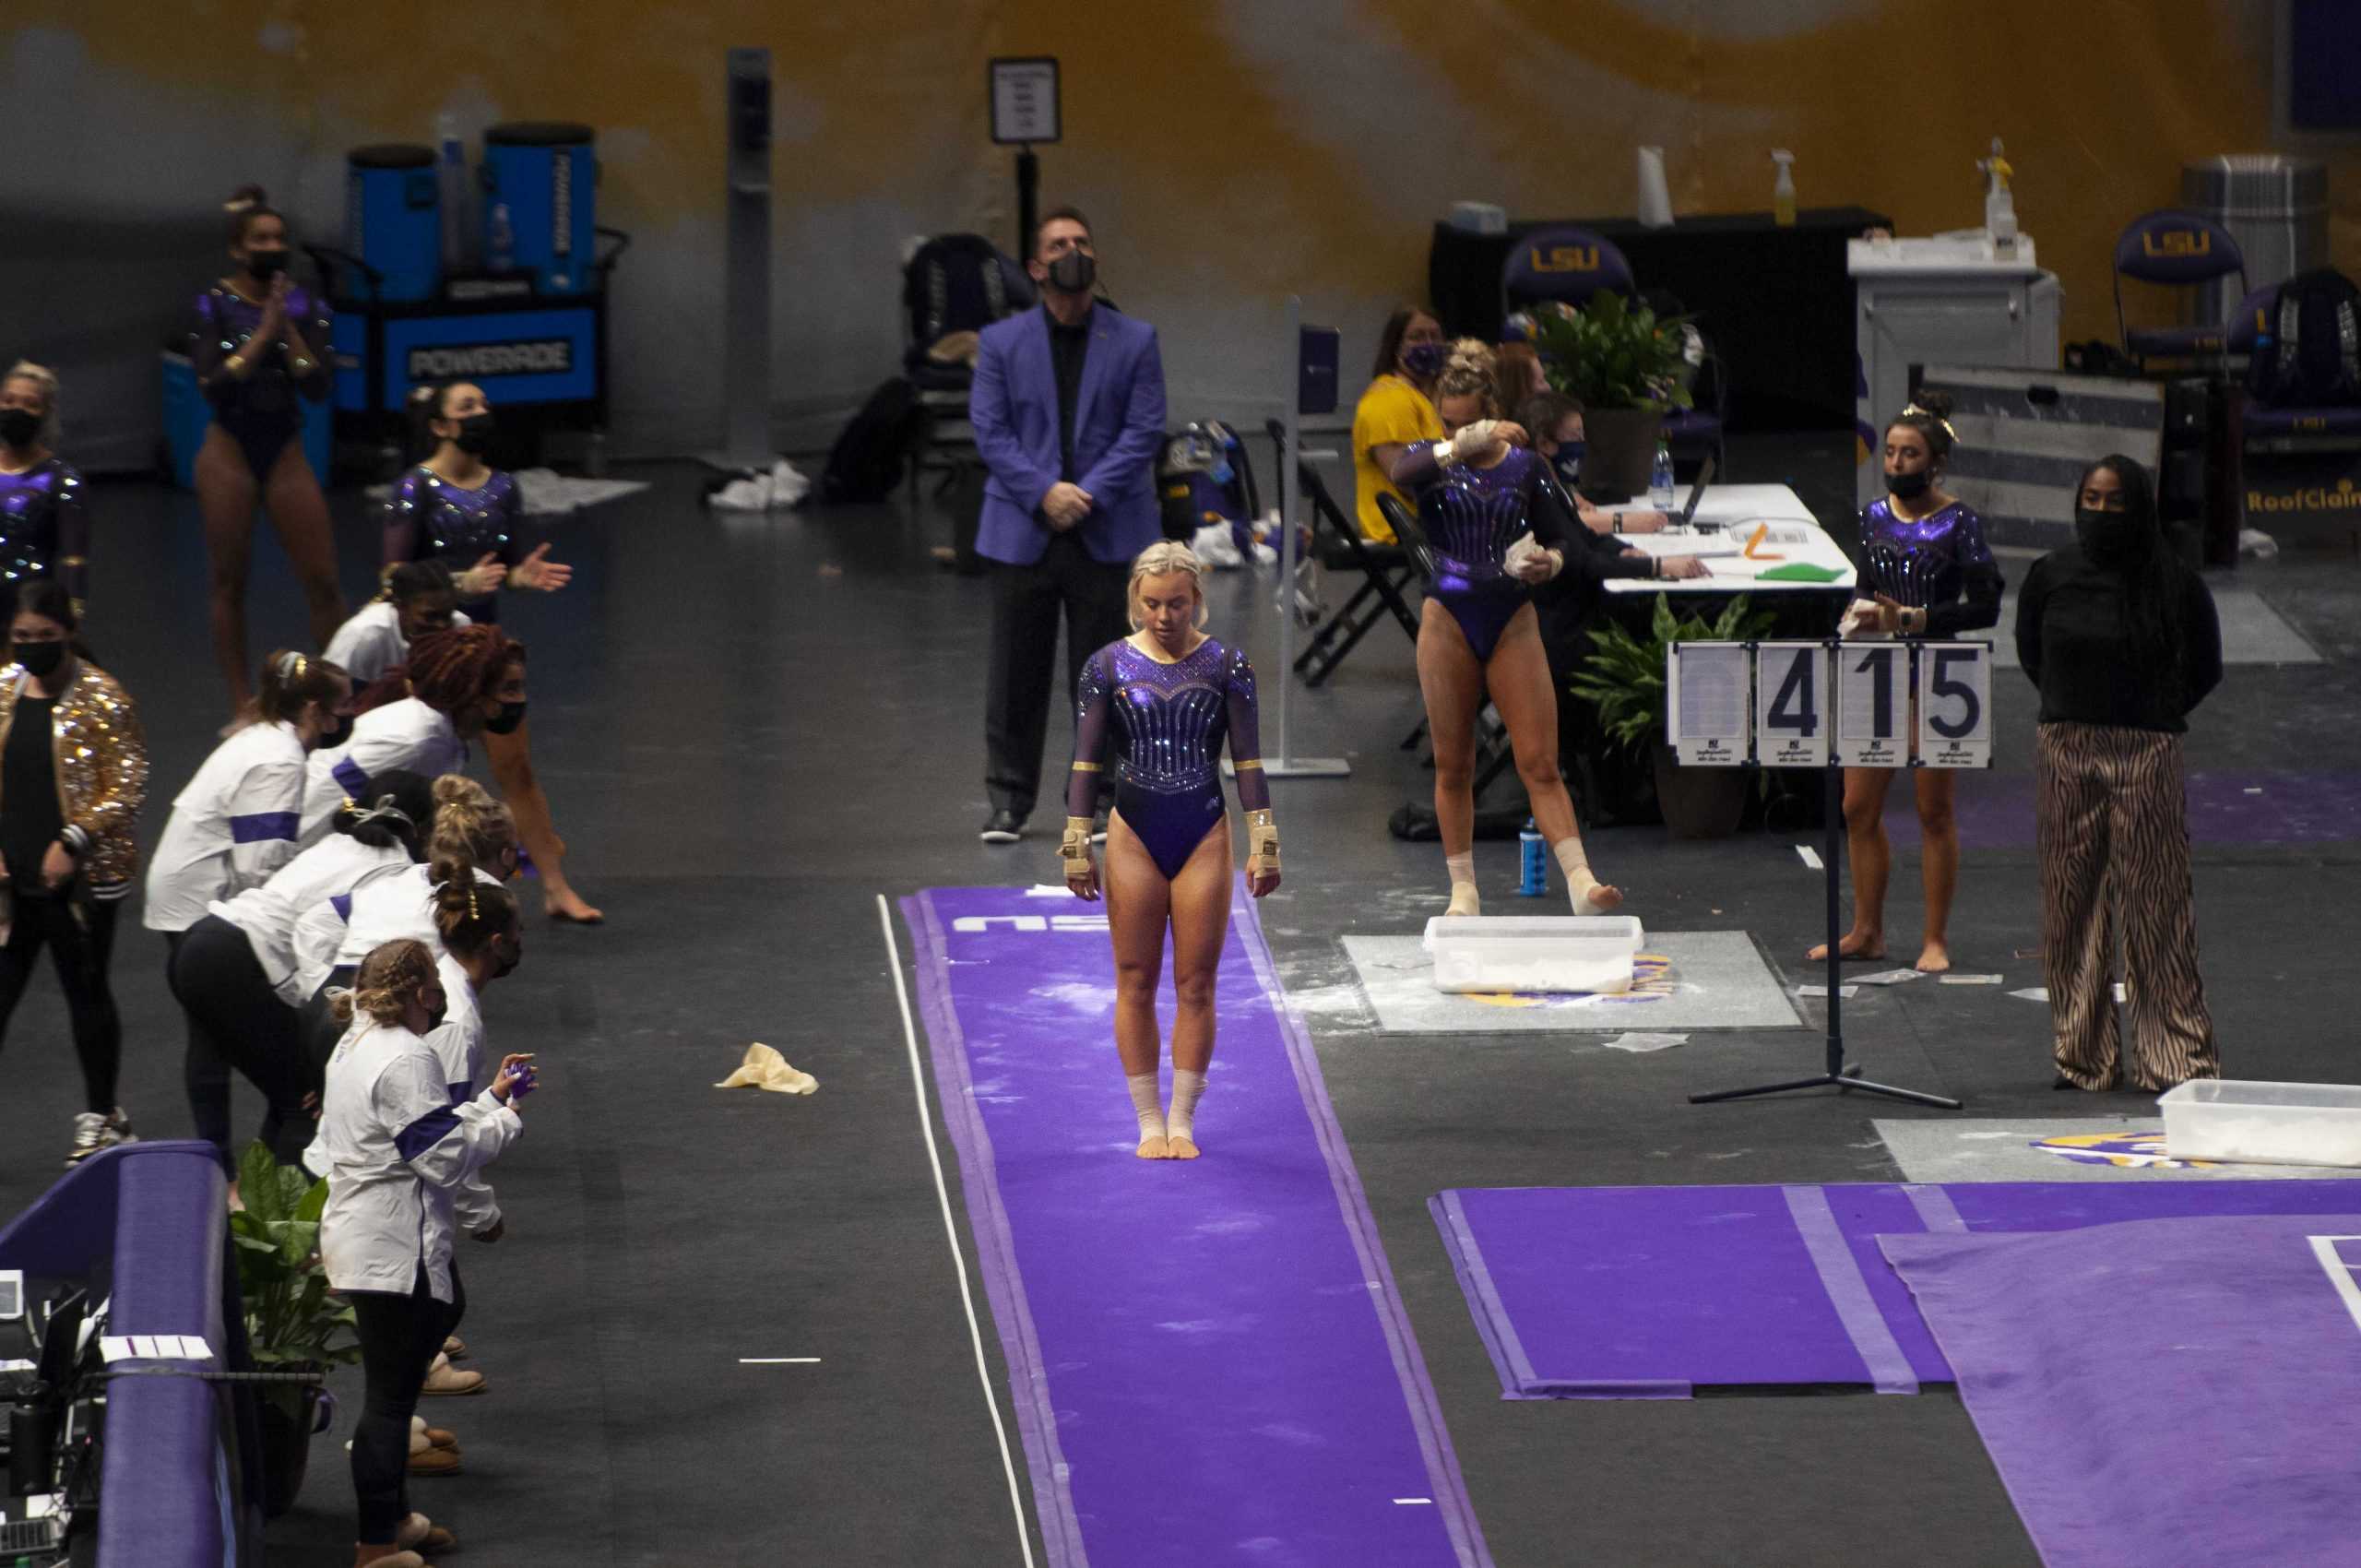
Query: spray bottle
column 1783, row 190
column 451, row 178
column 2000, row 206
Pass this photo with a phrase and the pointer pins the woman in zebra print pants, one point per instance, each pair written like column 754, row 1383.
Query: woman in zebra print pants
column 2120, row 636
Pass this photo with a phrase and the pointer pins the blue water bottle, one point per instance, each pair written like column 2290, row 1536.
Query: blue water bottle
column 1660, row 479
column 1533, row 862
column 504, row 240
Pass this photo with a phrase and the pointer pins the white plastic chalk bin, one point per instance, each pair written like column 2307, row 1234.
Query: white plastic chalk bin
column 2257, row 1123
column 1533, row 953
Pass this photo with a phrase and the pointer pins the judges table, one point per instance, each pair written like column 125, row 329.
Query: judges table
column 1775, row 300
column 1732, row 513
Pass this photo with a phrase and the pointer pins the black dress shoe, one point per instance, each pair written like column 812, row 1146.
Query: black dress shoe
column 1003, row 827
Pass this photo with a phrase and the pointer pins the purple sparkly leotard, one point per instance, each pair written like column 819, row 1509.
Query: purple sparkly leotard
column 1471, row 516
column 259, row 410
column 1172, row 719
column 1937, row 563
column 430, row 520
column 44, row 528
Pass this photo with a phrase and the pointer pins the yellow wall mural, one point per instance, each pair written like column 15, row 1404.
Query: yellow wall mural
column 1230, row 152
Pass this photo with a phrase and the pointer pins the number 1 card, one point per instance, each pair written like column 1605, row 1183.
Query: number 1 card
column 1872, row 705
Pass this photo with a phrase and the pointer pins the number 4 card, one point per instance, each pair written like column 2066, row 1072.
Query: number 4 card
column 1955, row 704
column 1791, row 726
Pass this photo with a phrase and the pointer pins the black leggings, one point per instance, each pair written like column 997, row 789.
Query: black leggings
column 316, row 1023
column 235, row 1020
column 80, row 934
column 400, row 1337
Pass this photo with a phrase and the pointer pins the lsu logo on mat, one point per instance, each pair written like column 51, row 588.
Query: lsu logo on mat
column 2129, row 1150
column 1651, row 982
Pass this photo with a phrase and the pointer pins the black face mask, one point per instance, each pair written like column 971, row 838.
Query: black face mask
column 1073, row 272
column 41, row 658
column 1569, row 462
column 266, row 264
column 505, row 721
column 475, row 436
column 1910, row 487
column 1423, row 360
column 338, row 731
column 18, row 427
column 2111, row 539
column 435, row 1019
column 504, row 966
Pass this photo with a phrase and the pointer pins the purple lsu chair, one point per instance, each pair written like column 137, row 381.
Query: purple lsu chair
column 2174, row 249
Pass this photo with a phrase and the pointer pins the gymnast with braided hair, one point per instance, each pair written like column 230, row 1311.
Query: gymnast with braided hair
column 1172, row 694
column 1497, row 526
column 1929, row 575
column 457, row 686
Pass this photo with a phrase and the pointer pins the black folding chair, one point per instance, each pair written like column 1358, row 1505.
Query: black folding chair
column 1385, row 570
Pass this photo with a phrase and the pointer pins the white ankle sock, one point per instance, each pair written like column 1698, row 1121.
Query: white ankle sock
column 1187, row 1089
column 1143, row 1099
column 1464, row 900
column 1575, row 866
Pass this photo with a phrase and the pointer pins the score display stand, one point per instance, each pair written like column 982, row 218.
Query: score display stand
column 1830, row 705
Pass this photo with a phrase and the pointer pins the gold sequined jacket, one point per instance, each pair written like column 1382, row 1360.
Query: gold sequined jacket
column 101, row 766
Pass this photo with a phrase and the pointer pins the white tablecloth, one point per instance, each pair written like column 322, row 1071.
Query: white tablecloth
column 1795, row 536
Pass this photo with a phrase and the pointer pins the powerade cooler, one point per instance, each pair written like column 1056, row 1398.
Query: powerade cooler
column 541, row 202
column 393, row 218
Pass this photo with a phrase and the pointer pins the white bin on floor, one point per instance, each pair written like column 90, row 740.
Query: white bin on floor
column 2257, row 1123
column 1533, row 953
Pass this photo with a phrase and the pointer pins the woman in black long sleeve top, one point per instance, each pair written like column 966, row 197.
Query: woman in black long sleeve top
column 2121, row 638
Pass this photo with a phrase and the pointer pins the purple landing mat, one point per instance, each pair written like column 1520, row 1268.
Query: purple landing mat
column 1653, row 1292
column 1995, row 810
column 2162, row 1391
column 1209, row 1361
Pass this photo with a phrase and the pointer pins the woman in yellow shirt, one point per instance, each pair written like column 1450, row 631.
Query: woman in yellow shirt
column 1396, row 412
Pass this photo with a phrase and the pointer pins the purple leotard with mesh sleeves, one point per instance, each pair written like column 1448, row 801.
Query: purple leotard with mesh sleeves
column 429, row 520
column 1171, row 720
column 1937, row 563
column 261, row 409
column 1471, row 516
column 45, row 528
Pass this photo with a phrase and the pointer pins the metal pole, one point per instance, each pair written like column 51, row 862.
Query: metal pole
column 746, row 265
column 1287, row 765
column 1028, row 200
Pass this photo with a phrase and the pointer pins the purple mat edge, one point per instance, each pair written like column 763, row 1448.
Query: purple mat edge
column 1036, row 1423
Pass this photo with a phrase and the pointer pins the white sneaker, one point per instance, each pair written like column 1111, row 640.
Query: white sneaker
column 93, row 1131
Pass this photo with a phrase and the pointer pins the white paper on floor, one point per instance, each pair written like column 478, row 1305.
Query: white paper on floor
column 1889, row 977
column 1646, row 1043
column 1843, row 992
column 2037, row 994
column 1971, row 980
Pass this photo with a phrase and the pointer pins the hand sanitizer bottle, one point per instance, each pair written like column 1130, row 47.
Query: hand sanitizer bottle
column 1783, row 190
column 2000, row 206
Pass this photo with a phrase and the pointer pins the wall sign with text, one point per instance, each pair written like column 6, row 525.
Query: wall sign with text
column 1025, row 100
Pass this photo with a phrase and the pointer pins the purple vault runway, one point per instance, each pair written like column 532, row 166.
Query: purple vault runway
column 1654, row 1292
column 1210, row 1361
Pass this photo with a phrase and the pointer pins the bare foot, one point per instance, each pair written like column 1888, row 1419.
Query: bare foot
column 1181, row 1149
column 1935, row 960
column 1599, row 900
column 1859, row 945
column 1154, row 1148
column 565, row 904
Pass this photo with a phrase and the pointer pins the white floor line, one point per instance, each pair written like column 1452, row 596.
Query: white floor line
column 778, row 1360
column 950, row 1229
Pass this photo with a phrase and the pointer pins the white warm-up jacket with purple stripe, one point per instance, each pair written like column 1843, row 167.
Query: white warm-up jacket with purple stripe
column 323, row 875
column 401, row 735
column 234, row 826
column 396, row 1152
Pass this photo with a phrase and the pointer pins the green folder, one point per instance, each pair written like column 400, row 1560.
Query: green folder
column 1799, row 572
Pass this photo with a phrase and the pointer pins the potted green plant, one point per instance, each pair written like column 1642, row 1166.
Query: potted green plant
column 292, row 1322
column 1624, row 363
column 1622, row 677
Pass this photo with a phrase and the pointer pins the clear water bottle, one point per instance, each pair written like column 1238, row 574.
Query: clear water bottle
column 503, row 240
column 1660, row 479
column 1533, row 862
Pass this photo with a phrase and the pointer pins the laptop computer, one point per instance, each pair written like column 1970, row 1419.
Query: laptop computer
column 1696, row 494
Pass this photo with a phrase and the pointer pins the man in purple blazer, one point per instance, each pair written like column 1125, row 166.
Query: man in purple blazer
column 1068, row 409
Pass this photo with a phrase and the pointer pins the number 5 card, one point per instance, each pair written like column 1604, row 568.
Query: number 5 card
column 1791, row 728
column 1955, row 704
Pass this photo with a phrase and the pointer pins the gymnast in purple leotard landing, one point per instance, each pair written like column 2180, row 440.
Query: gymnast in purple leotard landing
column 1495, row 525
column 260, row 348
column 1172, row 694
